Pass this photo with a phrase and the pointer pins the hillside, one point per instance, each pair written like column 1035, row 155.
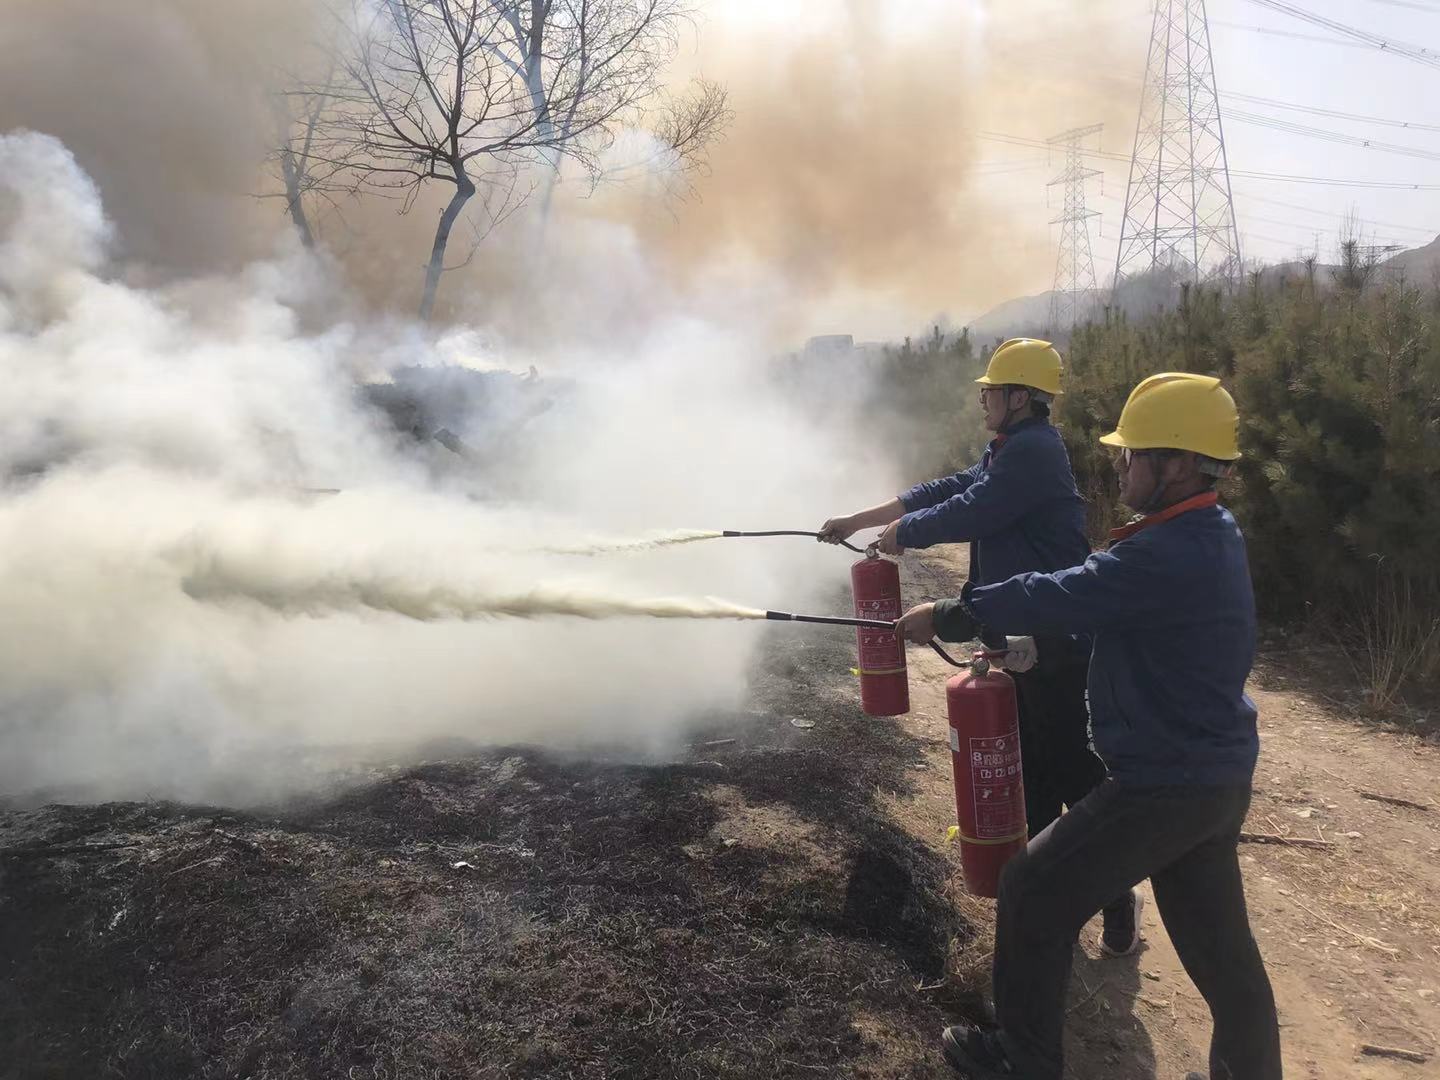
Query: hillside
column 1031, row 314
column 1417, row 263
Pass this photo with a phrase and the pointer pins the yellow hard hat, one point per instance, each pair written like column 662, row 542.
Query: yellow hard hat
column 1024, row 362
column 1179, row 411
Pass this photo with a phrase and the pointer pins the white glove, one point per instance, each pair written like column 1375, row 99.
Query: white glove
column 1020, row 654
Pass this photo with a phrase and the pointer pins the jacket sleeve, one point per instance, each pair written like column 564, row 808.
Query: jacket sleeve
column 953, row 621
column 931, row 492
column 1012, row 486
column 1124, row 586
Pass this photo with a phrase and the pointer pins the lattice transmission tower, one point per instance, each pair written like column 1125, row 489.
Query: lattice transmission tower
column 1179, row 212
column 1075, row 268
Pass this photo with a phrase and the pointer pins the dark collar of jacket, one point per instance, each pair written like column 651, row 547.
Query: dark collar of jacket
column 1005, row 434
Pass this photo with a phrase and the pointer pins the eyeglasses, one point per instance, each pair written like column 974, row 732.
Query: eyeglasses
column 1126, row 456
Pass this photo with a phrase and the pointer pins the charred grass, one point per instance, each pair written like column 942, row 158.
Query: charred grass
column 749, row 911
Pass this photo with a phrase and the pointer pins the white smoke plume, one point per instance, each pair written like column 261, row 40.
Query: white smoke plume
column 162, row 447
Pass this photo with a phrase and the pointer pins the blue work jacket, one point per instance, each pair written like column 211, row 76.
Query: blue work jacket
column 1172, row 611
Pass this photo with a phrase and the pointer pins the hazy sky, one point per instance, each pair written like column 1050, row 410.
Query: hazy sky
column 1083, row 63
column 1326, row 75
column 855, row 191
column 1277, row 219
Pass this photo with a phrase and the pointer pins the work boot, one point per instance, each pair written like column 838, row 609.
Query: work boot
column 976, row 1053
column 1121, row 935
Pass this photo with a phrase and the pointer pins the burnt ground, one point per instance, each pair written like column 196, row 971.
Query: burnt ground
column 751, row 911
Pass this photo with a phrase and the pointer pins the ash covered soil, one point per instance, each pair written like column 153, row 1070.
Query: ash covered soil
column 753, row 910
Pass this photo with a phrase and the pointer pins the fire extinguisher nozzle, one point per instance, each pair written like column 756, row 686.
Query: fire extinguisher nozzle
column 829, row 620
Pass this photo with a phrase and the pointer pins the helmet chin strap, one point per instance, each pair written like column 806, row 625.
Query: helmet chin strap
column 1010, row 413
column 1153, row 503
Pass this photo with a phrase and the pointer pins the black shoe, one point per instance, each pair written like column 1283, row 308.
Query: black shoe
column 1121, row 935
column 976, row 1053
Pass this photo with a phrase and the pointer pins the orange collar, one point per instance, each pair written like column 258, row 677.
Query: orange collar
column 1195, row 502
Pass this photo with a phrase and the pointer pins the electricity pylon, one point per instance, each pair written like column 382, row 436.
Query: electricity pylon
column 1075, row 268
column 1179, row 212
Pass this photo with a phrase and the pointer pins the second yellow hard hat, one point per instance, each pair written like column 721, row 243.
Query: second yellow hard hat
column 1177, row 410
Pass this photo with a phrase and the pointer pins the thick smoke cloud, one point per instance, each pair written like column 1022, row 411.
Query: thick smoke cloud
column 182, row 389
column 162, row 445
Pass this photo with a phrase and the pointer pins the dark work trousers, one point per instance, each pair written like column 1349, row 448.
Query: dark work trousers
column 1059, row 767
column 1183, row 839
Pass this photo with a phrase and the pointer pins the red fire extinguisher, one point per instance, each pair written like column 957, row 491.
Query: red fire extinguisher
column 989, row 782
column 884, row 688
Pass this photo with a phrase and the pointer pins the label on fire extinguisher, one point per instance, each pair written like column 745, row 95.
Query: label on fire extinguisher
column 995, row 780
column 880, row 650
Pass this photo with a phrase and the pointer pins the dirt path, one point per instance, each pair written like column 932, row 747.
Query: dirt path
column 1350, row 932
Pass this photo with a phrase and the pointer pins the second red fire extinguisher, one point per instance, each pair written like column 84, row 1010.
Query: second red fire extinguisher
column 989, row 780
column 884, row 687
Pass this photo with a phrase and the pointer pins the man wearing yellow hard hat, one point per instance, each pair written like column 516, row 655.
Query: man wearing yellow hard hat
column 1019, row 511
column 1172, row 614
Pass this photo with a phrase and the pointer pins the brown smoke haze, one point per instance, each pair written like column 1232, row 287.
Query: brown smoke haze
column 851, row 185
column 163, row 103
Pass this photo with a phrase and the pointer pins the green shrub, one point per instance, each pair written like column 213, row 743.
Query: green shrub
column 1337, row 376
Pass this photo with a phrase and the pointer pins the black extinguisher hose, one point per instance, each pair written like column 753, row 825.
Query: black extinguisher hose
column 882, row 624
column 985, row 654
column 792, row 532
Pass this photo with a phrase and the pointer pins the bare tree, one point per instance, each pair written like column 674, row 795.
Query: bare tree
column 469, row 93
column 691, row 123
column 682, row 130
column 297, row 119
column 623, row 43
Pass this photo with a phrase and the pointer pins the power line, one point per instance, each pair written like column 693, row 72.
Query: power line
column 1292, row 34
column 1316, row 230
column 1385, row 185
column 1319, row 230
column 1292, row 128
column 1252, row 235
column 1314, row 110
column 1418, row 53
column 1413, row 5
column 998, row 170
column 1332, row 214
column 1023, row 140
